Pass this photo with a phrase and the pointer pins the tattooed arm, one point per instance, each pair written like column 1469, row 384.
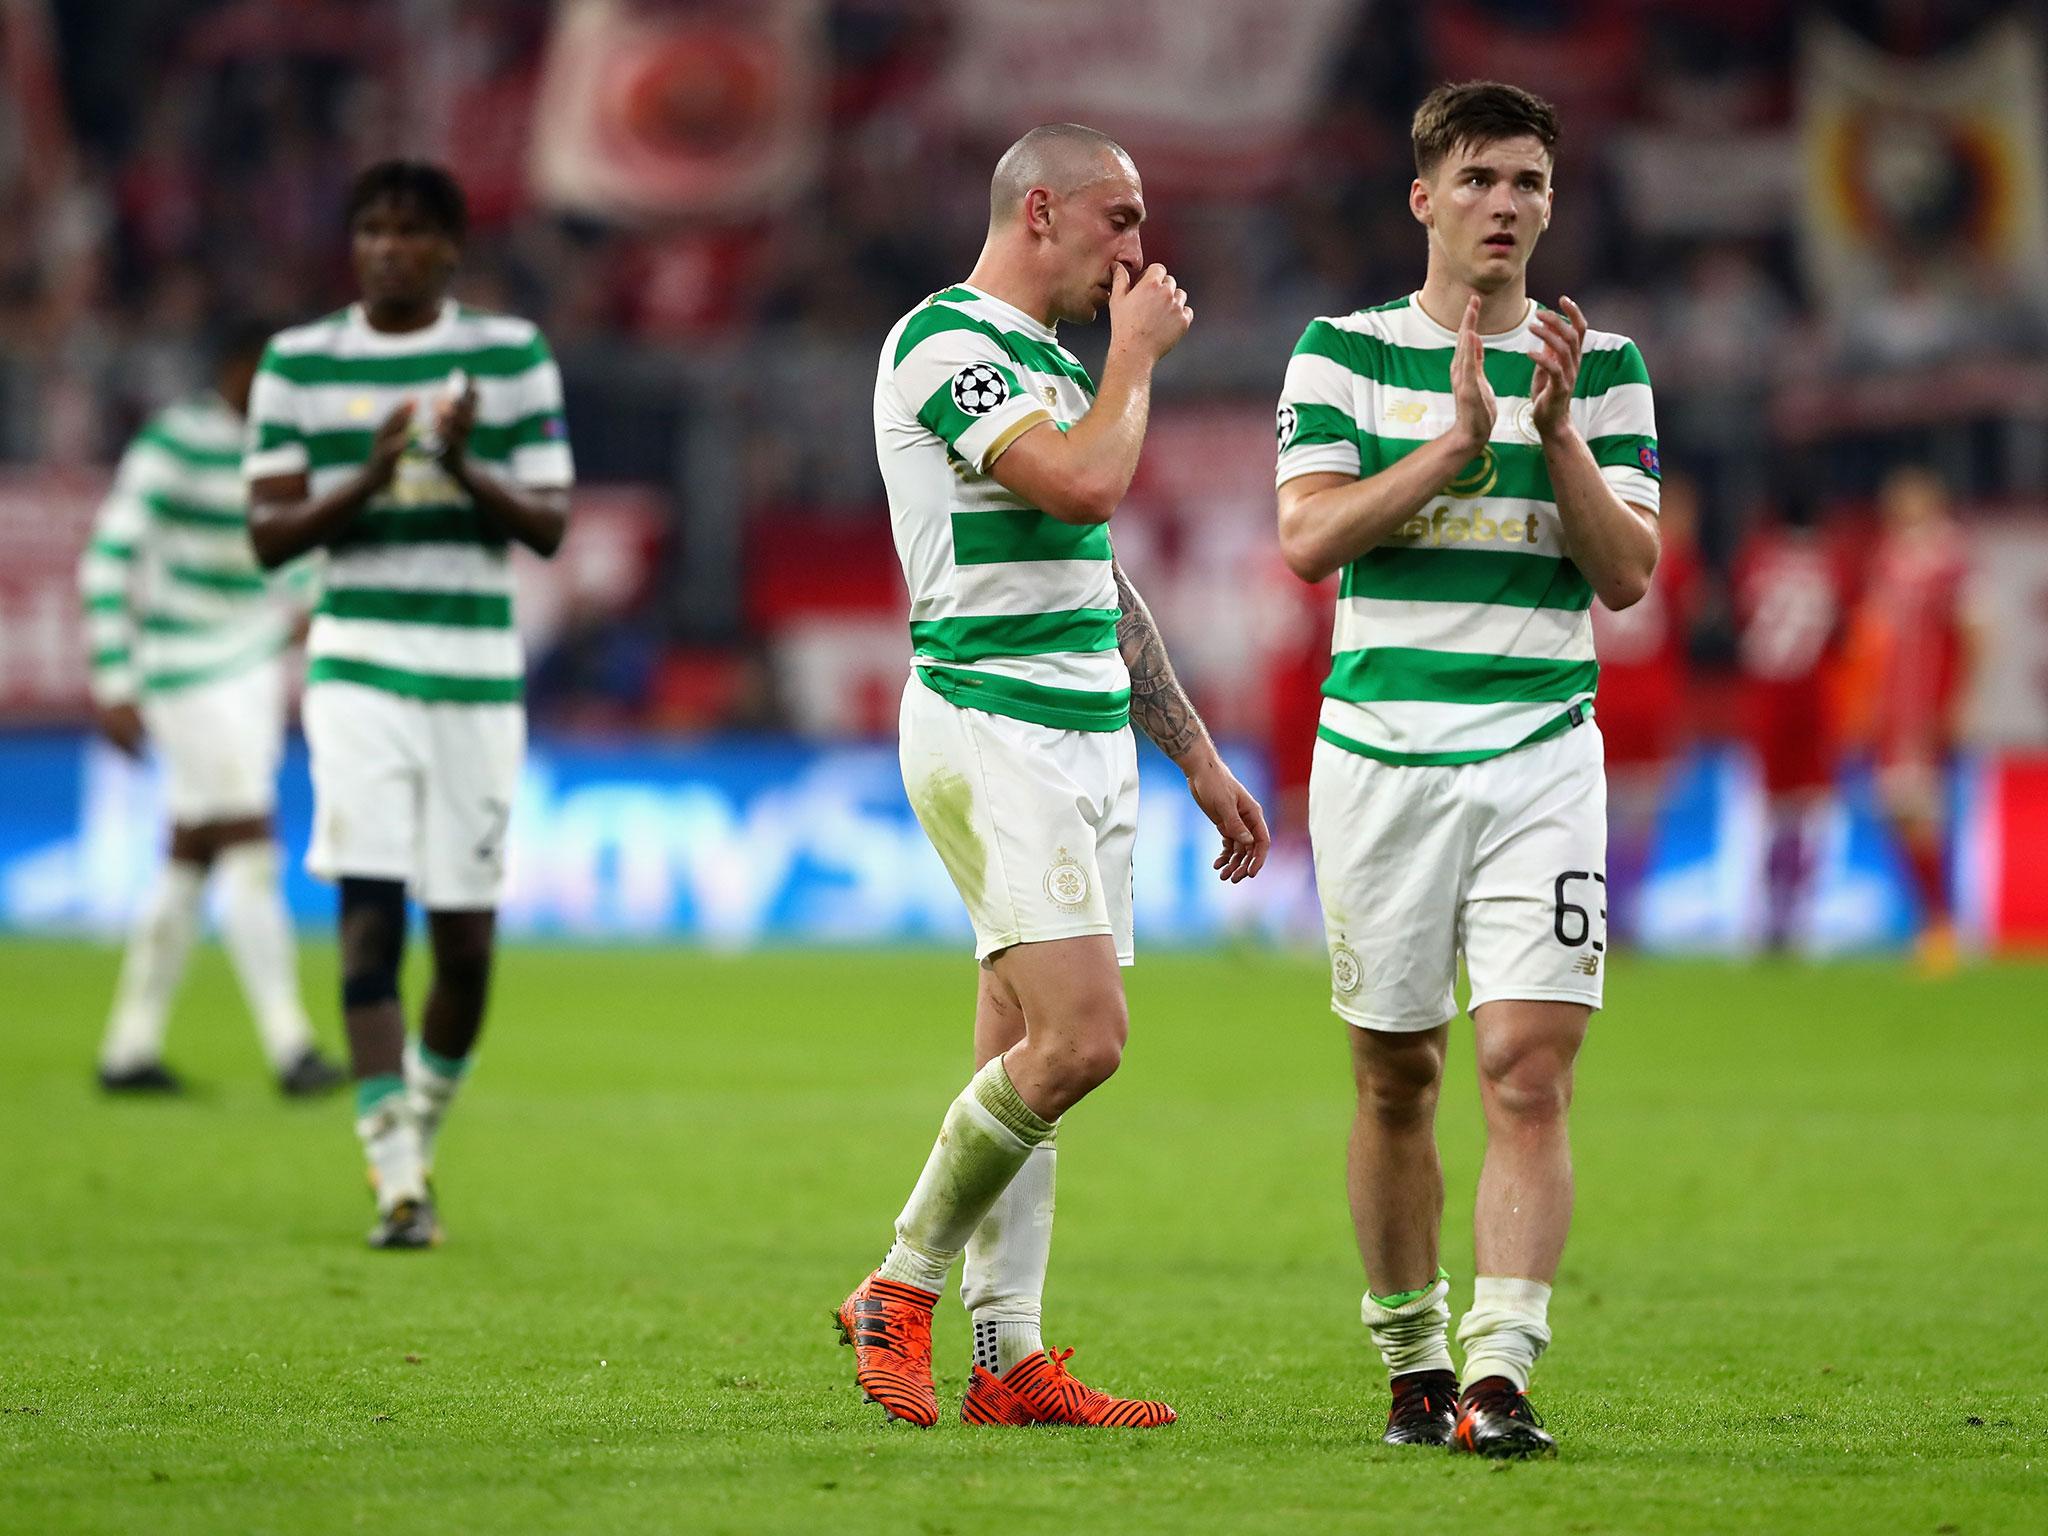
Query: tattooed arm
column 1160, row 708
column 1159, row 705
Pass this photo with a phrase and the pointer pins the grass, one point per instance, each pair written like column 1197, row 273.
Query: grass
column 1804, row 1291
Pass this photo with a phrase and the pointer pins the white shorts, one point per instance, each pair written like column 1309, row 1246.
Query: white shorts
column 1504, row 860
column 411, row 791
column 220, row 742
column 1035, row 825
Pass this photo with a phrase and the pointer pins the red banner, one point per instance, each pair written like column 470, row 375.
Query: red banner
column 702, row 108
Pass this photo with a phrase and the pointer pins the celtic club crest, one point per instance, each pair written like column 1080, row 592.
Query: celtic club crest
column 1066, row 882
column 1345, row 973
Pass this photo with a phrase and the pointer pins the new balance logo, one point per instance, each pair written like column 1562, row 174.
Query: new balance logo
column 1587, row 965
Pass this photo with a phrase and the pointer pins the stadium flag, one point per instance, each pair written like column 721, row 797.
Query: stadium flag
column 1209, row 99
column 648, row 111
column 1941, row 159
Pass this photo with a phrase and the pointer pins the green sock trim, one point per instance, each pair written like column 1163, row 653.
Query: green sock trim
column 1402, row 1298
column 372, row 1091
column 994, row 1092
column 441, row 1066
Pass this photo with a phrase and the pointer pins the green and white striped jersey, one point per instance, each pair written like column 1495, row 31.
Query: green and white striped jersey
column 418, row 596
column 1011, row 610
column 1466, row 633
column 173, row 594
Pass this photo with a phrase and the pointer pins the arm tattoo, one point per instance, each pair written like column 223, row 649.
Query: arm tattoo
column 1159, row 706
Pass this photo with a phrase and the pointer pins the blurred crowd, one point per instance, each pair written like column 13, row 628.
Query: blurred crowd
column 207, row 145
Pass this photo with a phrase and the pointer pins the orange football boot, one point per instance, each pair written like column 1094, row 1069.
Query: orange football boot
column 889, row 1325
column 1039, row 1390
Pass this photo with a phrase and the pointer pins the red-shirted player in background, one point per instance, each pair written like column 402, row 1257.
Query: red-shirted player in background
column 1644, row 706
column 1791, row 611
column 1913, row 652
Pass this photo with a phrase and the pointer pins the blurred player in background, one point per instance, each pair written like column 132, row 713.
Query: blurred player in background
column 1790, row 605
column 1915, row 646
column 414, row 439
column 1480, row 468
column 1645, row 677
column 1034, row 656
column 187, row 635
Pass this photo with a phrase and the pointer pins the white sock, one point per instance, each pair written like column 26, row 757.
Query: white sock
column 1412, row 1329
column 430, row 1087
column 1003, row 1283
column 259, row 941
column 988, row 1133
column 1506, row 1330
column 391, row 1142
column 157, row 947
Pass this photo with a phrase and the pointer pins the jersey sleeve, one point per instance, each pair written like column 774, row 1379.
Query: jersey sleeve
column 955, row 377
column 277, row 440
column 1619, row 422
column 540, row 457
column 105, row 577
column 1315, row 428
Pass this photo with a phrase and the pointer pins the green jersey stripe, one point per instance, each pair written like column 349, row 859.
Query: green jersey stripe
column 1601, row 371
column 192, row 514
column 432, row 523
column 1428, row 369
column 1517, row 469
column 477, row 610
column 348, row 447
column 1416, row 368
column 939, row 414
column 497, row 442
column 1632, row 449
column 430, row 687
column 1550, row 728
column 107, row 602
column 1080, row 630
column 1062, row 709
column 110, row 656
column 1024, row 533
column 157, row 435
column 163, row 680
column 1321, row 424
column 218, row 580
column 1467, row 576
column 1455, row 677
column 937, row 318
column 160, row 623
column 487, row 362
column 112, row 549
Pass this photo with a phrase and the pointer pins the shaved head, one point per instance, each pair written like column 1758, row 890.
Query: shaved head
column 1061, row 157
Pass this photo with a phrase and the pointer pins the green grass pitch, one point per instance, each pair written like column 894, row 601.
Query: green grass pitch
column 1804, row 1294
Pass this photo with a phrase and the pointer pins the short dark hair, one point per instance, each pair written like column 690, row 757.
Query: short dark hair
column 1478, row 112
column 426, row 186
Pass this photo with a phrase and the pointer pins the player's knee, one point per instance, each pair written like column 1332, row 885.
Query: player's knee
column 1092, row 1049
column 372, row 941
column 1398, row 1076
column 1532, row 1086
column 1101, row 1054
